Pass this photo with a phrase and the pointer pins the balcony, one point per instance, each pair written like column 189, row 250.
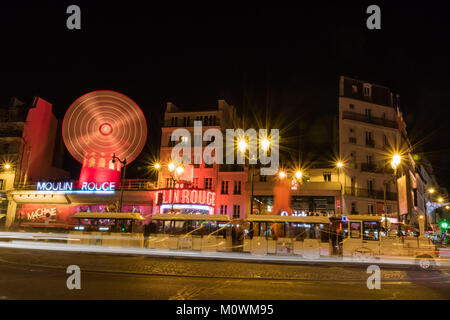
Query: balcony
column 372, row 120
column 371, row 167
column 373, row 194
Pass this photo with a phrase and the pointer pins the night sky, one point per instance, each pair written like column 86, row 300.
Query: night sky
column 276, row 60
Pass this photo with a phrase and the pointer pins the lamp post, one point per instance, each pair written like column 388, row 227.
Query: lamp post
column 340, row 165
column 124, row 164
column 242, row 145
column 396, row 160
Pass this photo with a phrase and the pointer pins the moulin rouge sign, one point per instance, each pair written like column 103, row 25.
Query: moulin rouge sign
column 188, row 196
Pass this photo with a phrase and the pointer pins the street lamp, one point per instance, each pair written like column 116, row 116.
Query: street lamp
column 431, row 190
column 282, row 174
column 157, row 166
column 124, row 165
column 298, row 174
column 7, row 166
column 171, row 167
column 396, row 160
column 440, row 200
column 179, row 170
column 242, row 145
column 340, row 165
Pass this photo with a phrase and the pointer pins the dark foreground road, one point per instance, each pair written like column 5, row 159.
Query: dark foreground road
column 32, row 274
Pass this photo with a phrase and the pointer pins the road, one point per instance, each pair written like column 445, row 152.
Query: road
column 37, row 274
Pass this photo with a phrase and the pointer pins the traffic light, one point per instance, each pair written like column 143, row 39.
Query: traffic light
column 444, row 225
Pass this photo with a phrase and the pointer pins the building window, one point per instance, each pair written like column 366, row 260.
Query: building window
column 2, row 184
column 262, row 178
column 385, row 140
column 237, row 187
column 208, row 183
column 370, row 188
column 224, row 188
column 195, row 182
column 174, row 121
column 367, row 91
column 236, row 211
column 354, row 208
column 327, row 177
column 352, row 130
column 223, row 209
column 102, row 163
column 369, row 160
column 92, row 162
column 354, row 89
column 368, row 113
column 371, row 208
column 352, row 106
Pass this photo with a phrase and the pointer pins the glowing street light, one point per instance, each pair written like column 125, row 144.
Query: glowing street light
column 171, row 166
column 7, row 166
column 298, row 174
column 396, row 160
column 282, row 174
column 265, row 144
column 440, row 199
column 180, row 170
column 339, row 164
column 242, row 145
column 431, row 190
column 157, row 166
column 447, row 207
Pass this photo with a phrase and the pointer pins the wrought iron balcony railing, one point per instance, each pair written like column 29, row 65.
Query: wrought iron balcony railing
column 372, row 120
column 366, row 193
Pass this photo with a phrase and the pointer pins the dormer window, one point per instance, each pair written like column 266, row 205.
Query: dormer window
column 367, row 90
column 354, row 89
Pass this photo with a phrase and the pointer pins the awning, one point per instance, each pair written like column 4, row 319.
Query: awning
column 190, row 217
column 298, row 219
column 108, row 215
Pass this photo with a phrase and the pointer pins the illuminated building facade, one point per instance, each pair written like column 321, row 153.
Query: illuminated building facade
column 371, row 130
column 227, row 182
column 29, row 148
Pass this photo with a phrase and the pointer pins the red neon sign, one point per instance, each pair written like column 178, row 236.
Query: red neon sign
column 191, row 196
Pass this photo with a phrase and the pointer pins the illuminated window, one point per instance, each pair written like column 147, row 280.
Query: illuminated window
column 367, row 90
column 101, row 163
column 92, row 162
column 111, row 164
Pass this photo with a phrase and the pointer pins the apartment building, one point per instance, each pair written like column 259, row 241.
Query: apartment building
column 368, row 134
